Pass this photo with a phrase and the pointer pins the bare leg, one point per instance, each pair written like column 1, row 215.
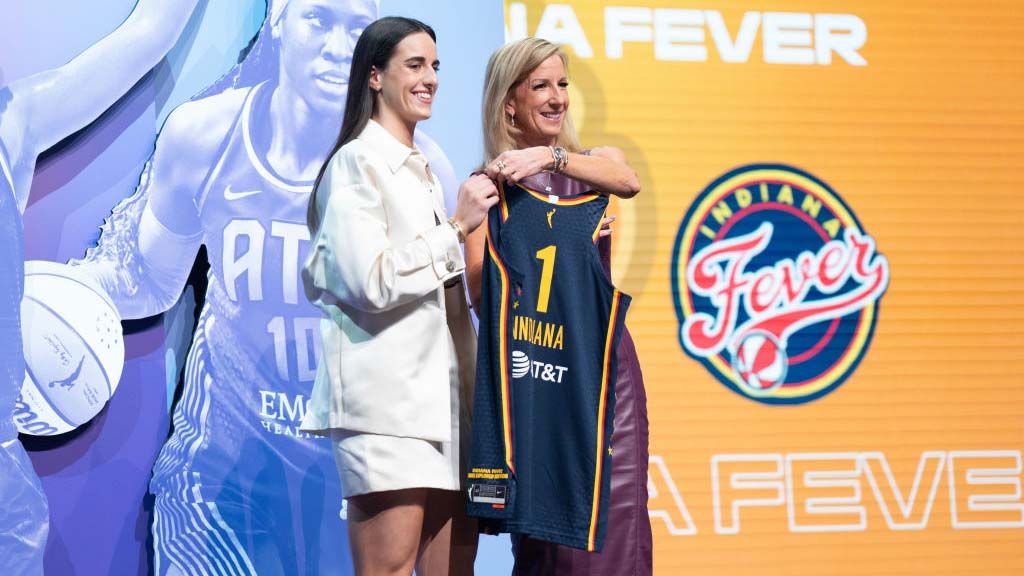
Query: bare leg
column 465, row 537
column 449, row 539
column 384, row 531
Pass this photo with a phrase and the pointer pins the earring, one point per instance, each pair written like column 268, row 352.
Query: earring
column 512, row 119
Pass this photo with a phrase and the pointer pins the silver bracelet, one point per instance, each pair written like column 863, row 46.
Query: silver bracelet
column 561, row 159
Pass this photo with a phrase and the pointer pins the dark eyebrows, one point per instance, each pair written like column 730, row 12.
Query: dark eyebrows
column 421, row 60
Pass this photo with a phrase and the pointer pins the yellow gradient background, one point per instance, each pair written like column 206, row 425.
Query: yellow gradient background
column 926, row 146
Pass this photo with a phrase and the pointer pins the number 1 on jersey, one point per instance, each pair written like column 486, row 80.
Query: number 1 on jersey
column 547, row 256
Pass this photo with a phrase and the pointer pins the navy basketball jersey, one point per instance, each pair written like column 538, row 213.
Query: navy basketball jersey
column 550, row 321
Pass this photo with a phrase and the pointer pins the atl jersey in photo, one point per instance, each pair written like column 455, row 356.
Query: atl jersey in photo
column 239, row 489
column 550, row 320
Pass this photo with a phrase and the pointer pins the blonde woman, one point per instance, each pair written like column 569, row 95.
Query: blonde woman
column 530, row 140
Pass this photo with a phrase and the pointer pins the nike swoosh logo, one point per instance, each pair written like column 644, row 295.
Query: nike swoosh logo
column 230, row 195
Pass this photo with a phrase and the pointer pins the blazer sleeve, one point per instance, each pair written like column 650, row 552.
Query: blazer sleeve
column 352, row 260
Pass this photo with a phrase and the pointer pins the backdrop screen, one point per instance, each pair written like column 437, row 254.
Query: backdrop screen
column 825, row 261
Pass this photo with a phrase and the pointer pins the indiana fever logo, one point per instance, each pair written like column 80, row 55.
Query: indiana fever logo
column 776, row 284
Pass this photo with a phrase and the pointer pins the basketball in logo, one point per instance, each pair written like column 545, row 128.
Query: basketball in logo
column 760, row 363
column 776, row 284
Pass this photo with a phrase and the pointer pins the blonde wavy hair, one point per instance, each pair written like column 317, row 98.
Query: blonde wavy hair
column 508, row 67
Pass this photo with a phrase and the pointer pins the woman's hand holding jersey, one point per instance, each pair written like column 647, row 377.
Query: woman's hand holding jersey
column 514, row 165
column 476, row 196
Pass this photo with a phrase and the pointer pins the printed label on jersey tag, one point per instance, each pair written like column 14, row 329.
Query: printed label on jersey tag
column 488, row 493
column 488, row 474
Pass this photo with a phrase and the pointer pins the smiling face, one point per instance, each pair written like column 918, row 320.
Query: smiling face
column 539, row 103
column 406, row 87
column 316, row 42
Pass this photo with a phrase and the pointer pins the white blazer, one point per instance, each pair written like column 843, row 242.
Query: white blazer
column 377, row 268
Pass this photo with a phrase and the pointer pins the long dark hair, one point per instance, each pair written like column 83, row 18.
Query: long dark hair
column 374, row 49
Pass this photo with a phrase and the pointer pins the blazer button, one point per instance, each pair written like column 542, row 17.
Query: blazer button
column 450, row 266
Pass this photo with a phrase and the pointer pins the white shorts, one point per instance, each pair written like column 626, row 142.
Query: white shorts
column 377, row 462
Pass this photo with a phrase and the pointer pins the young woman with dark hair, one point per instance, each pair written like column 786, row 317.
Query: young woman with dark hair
column 395, row 376
column 238, row 489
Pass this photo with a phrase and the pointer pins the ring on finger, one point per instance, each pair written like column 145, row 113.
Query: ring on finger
column 501, row 166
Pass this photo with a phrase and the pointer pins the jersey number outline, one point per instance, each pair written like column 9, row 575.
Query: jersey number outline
column 304, row 339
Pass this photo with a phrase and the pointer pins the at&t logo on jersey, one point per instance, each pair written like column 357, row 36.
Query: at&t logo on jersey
column 776, row 284
column 522, row 366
